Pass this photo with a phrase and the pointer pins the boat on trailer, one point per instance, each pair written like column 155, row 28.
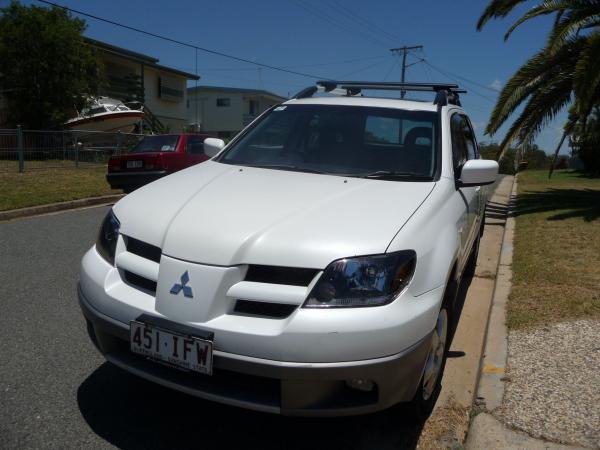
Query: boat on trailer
column 108, row 115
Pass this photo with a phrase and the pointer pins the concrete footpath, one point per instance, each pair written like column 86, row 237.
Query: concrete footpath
column 447, row 427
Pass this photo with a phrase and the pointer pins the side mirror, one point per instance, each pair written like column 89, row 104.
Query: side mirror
column 212, row 146
column 478, row 172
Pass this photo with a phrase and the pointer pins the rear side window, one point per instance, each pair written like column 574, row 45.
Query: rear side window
column 164, row 143
column 195, row 145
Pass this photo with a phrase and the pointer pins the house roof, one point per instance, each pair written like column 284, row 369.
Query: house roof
column 149, row 61
column 236, row 90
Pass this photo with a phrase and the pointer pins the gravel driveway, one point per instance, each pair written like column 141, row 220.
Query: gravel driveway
column 553, row 391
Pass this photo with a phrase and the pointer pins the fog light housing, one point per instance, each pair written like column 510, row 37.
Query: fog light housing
column 360, row 384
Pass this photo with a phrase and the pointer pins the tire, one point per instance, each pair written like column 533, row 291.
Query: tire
column 430, row 384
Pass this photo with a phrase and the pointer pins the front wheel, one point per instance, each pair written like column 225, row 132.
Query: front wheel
column 431, row 382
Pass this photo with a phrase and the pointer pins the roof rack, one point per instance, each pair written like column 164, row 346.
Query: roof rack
column 446, row 93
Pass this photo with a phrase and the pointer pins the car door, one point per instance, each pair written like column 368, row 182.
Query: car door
column 469, row 195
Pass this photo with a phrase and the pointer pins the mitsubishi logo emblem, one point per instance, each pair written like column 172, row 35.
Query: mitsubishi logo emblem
column 178, row 287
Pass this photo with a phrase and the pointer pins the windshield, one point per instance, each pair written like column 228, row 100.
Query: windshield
column 348, row 140
column 167, row 143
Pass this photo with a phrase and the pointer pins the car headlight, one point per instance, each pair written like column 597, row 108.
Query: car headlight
column 106, row 244
column 363, row 281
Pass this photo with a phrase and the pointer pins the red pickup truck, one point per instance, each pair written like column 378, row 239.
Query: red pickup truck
column 154, row 157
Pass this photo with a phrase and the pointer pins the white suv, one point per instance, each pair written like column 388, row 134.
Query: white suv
column 310, row 267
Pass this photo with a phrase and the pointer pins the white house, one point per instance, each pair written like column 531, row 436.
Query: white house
column 135, row 76
column 224, row 111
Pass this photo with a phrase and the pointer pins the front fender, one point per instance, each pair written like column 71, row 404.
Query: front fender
column 433, row 233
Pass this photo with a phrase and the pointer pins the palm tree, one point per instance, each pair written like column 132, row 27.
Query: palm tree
column 565, row 73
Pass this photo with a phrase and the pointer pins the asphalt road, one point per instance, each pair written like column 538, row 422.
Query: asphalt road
column 56, row 391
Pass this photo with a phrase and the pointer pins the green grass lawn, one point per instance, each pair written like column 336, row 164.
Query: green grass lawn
column 556, row 260
column 50, row 185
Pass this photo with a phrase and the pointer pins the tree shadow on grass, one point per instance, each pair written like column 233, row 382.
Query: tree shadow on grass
column 582, row 203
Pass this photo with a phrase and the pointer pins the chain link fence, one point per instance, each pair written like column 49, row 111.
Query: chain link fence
column 25, row 150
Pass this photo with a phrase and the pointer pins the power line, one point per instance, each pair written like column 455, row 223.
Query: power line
column 339, row 8
column 483, row 86
column 186, row 44
column 372, row 25
column 333, row 63
column 394, row 63
column 454, row 78
column 312, row 9
column 361, row 70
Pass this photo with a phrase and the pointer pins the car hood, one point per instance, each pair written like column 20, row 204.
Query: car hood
column 221, row 214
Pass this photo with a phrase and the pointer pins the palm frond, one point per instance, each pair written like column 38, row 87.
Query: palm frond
column 497, row 9
column 537, row 72
column 587, row 75
column 571, row 23
column 546, row 8
column 540, row 109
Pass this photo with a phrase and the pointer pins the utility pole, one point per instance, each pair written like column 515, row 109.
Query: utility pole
column 404, row 51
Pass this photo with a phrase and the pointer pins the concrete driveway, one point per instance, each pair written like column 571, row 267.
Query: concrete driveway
column 57, row 392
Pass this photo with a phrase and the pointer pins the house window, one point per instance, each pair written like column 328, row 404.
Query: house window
column 221, row 102
column 169, row 89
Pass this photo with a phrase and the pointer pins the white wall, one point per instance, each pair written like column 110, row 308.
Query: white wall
column 219, row 119
column 171, row 112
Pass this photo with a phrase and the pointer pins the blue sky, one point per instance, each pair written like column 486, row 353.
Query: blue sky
column 314, row 36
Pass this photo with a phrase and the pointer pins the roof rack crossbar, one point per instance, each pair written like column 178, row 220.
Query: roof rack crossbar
column 306, row 92
column 445, row 92
column 391, row 85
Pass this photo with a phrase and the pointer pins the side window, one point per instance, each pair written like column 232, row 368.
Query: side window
column 195, row 145
column 471, row 144
column 459, row 144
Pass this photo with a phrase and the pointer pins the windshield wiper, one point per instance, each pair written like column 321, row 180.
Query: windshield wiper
column 394, row 175
column 284, row 167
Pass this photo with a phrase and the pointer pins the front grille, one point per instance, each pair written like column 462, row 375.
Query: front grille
column 139, row 282
column 264, row 309
column 294, row 276
column 147, row 251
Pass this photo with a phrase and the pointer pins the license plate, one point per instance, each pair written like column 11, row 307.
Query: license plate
column 134, row 164
column 188, row 352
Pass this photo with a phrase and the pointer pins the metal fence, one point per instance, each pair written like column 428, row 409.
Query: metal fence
column 22, row 150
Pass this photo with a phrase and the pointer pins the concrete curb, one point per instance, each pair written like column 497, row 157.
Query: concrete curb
column 490, row 390
column 56, row 207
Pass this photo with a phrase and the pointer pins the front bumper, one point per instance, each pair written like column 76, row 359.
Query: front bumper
column 289, row 388
column 120, row 180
